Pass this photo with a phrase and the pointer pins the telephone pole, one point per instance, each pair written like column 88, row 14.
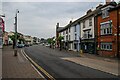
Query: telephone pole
column 15, row 51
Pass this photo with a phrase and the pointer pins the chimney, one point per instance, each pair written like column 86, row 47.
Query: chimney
column 99, row 6
column 108, row 1
column 89, row 11
column 70, row 22
column 57, row 26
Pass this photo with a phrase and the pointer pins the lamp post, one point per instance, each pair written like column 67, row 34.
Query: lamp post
column 15, row 51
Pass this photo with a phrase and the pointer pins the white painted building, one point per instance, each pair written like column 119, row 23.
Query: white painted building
column 28, row 39
column 74, row 37
column 88, row 27
column 71, row 34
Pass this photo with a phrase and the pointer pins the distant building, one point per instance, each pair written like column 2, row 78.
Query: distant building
column 2, row 27
column 5, row 38
column 58, row 30
column 28, row 39
column 71, row 34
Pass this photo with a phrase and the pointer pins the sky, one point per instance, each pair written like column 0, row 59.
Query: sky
column 39, row 18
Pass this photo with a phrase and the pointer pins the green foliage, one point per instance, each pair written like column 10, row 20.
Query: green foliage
column 12, row 37
column 18, row 38
column 60, row 38
column 49, row 40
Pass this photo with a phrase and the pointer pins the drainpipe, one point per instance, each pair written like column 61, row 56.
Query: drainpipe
column 118, row 54
column 95, row 33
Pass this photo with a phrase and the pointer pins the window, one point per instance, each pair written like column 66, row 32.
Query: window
column 75, row 28
column 106, row 28
column 84, row 24
column 87, row 34
column 69, row 37
column 75, row 36
column 63, row 32
column 69, row 30
column 90, row 22
column 106, row 46
column 105, row 13
column 66, row 31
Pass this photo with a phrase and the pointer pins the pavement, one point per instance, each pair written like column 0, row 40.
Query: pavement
column 101, row 65
column 20, row 67
column 105, row 64
column 17, row 67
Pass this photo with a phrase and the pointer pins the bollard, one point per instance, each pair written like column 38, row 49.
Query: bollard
column 15, row 52
column 81, row 52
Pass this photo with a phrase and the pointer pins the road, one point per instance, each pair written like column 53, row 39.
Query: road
column 51, row 60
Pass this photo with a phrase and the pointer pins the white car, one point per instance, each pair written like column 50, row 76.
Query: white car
column 47, row 45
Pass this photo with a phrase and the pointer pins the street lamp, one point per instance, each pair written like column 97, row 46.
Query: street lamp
column 15, row 51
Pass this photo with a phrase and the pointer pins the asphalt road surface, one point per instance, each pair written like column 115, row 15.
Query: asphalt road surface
column 51, row 60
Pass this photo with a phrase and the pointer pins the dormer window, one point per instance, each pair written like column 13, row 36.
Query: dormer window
column 105, row 13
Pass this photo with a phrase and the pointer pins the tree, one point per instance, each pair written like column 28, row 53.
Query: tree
column 21, row 39
column 60, row 38
column 49, row 40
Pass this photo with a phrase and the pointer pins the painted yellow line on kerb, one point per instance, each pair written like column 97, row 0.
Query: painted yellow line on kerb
column 39, row 67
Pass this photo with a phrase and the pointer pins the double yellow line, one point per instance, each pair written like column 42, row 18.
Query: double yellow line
column 39, row 67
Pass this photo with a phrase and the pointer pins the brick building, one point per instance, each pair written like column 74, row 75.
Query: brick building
column 108, row 30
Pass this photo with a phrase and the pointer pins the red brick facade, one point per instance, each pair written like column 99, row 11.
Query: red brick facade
column 114, row 17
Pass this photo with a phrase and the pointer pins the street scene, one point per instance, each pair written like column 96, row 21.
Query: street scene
column 52, row 40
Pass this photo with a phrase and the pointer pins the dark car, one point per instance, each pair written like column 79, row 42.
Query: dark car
column 27, row 45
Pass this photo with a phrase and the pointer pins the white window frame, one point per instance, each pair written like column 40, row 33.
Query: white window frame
column 105, row 13
column 106, row 46
column 106, row 28
column 90, row 22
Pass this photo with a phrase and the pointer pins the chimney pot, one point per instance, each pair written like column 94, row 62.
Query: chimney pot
column 108, row 1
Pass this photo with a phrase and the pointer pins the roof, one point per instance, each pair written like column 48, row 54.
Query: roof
column 59, row 29
column 79, row 20
column 111, row 3
column 85, row 16
column 117, row 7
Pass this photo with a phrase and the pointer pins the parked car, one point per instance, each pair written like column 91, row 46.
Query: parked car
column 47, row 45
column 27, row 45
column 20, row 45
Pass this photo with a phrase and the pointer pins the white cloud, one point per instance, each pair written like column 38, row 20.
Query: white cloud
column 53, row 0
column 39, row 18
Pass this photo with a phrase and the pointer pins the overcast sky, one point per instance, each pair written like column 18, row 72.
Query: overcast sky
column 39, row 18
